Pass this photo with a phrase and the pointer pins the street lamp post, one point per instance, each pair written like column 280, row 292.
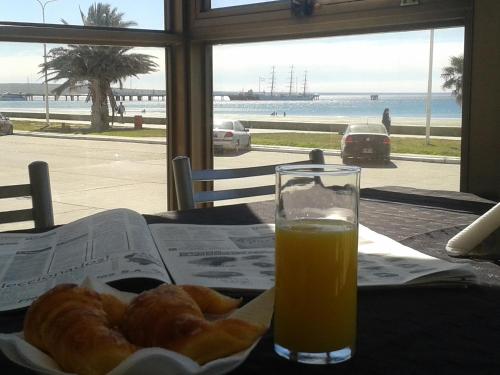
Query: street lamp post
column 428, row 102
column 47, row 119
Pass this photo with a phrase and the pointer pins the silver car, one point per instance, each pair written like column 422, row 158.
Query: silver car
column 230, row 135
column 6, row 126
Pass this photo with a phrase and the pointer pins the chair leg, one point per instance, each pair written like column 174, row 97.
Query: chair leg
column 181, row 166
column 43, row 214
column 316, row 156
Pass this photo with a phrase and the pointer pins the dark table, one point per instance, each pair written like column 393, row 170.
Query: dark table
column 406, row 330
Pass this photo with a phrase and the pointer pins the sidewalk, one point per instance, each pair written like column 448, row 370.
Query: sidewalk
column 288, row 149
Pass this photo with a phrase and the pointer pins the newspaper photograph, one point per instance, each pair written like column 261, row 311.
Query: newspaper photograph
column 227, row 256
column 242, row 257
column 109, row 246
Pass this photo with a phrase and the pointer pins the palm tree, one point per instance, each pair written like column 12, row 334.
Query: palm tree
column 452, row 76
column 97, row 67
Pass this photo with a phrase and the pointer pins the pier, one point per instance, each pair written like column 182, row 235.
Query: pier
column 36, row 91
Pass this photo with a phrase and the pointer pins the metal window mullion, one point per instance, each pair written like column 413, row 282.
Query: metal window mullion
column 190, row 112
column 466, row 105
column 81, row 35
column 178, row 129
column 350, row 17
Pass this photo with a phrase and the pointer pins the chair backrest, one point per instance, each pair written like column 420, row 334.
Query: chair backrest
column 184, row 178
column 39, row 190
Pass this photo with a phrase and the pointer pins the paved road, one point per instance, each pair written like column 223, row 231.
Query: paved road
column 89, row 176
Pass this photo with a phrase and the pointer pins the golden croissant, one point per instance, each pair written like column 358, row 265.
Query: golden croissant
column 77, row 328
column 90, row 333
column 171, row 317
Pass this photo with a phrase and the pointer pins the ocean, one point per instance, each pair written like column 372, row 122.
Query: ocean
column 401, row 105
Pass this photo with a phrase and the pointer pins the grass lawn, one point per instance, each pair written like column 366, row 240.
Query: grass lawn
column 69, row 128
column 399, row 145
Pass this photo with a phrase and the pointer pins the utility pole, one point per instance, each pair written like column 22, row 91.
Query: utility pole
column 47, row 117
column 428, row 102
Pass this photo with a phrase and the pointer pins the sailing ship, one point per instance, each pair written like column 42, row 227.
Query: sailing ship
column 272, row 95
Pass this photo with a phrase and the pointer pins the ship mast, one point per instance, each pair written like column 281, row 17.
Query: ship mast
column 261, row 79
column 272, row 82
column 291, row 82
column 305, row 82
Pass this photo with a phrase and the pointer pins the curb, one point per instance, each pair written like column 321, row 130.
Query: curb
column 91, row 138
column 407, row 157
column 292, row 150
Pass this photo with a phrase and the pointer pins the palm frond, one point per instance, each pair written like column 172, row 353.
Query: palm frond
column 452, row 76
column 96, row 67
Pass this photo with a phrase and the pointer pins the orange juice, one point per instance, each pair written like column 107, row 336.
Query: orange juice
column 316, row 280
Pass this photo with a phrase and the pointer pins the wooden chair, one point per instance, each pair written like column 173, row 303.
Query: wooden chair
column 39, row 189
column 184, row 178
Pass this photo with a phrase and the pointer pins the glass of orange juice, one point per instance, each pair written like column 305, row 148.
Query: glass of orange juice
column 316, row 262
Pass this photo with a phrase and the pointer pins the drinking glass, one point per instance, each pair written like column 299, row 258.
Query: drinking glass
column 316, row 262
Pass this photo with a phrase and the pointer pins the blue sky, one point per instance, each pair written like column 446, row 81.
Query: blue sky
column 147, row 13
column 385, row 62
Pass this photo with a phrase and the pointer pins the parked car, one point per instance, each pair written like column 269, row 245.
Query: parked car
column 6, row 126
column 366, row 142
column 230, row 135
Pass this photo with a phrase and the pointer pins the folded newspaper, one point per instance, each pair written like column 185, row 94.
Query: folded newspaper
column 119, row 244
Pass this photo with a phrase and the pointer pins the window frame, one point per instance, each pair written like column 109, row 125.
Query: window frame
column 274, row 21
column 191, row 29
column 170, row 39
column 262, row 22
column 206, row 10
column 64, row 34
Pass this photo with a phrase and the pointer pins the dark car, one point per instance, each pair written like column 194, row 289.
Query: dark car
column 368, row 141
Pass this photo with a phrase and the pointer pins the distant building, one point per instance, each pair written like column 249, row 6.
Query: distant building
column 8, row 96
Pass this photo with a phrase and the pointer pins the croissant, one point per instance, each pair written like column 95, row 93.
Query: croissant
column 171, row 317
column 77, row 328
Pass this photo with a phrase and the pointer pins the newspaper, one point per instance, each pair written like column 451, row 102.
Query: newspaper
column 119, row 244
column 109, row 246
column 218, row 256
column 242, row 256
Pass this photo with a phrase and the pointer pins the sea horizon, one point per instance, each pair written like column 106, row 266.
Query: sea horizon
column 359, row 105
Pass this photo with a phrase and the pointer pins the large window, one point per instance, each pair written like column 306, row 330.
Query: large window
column 103, row 128
column 296, row 95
